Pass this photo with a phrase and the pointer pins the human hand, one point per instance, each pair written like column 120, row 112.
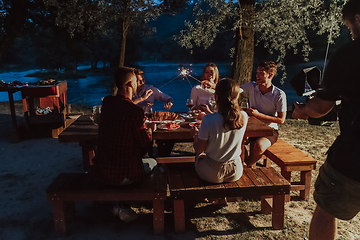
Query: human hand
column 252, row 112
column 205, row 108
column 151, row 126
column 208, row 84
column 147, row 94
column 168, row 105
column 299, row 111
column 194, row 131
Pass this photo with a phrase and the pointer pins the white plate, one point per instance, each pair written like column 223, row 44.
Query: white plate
column 166, row 121
column 164, row 127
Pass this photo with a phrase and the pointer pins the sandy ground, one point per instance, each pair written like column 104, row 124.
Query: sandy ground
column 28, row 167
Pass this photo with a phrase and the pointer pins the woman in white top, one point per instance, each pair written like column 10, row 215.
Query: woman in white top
column 201, row 94
column 218, row 142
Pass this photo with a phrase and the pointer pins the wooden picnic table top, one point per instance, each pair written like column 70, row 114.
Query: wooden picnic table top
column 83, row 129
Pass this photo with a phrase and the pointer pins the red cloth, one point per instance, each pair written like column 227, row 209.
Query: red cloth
column 122, row 141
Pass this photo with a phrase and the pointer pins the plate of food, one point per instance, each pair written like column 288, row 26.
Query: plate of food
column 197, row 123
column 168, row 126
column 166, row 117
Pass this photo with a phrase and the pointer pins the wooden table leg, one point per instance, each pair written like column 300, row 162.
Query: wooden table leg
column 164, row 147
column 88, row 153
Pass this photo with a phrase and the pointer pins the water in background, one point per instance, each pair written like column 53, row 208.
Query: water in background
column 165, row 76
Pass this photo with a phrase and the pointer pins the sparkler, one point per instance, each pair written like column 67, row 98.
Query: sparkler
column 184, row 74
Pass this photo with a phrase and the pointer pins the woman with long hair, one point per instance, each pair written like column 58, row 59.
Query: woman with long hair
column 202, row 93
column 218, row 142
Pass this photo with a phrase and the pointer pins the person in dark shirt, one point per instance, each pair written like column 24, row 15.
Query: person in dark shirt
column 123, row 136
column 337, row 188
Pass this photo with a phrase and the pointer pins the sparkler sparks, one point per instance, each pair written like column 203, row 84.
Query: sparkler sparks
column 184, row 71
column 184, row 74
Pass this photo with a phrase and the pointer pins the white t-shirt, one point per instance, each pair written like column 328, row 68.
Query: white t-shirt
column 223, row 145
column 201, row 95
column 269, row 103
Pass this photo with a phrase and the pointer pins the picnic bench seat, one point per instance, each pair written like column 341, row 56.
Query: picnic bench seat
column 185, row 184
column 70, row 187
column 290, row 159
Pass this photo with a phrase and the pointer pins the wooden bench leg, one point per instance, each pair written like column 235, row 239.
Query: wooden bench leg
column 179, row 216
column 266, row 204
column 305, row 179
column 287, row 176
column 278, row 212
column 158, row 216
column 62, row 211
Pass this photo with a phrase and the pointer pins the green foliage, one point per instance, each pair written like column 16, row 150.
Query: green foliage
column 281, row 26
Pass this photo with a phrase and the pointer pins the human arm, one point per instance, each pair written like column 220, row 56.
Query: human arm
column 280, row 118
column 314, row 108
column 199, row 144
column 163, row 97
column 145, row 96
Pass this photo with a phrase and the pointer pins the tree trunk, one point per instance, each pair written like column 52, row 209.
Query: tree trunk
column 123, row 45
column 124, row 31
column 244, row 50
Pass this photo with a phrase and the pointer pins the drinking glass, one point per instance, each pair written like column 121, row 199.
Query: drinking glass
column 96, row 112
column 148, row 111
column 189, row 103
column 244, row 105
column 212, row 103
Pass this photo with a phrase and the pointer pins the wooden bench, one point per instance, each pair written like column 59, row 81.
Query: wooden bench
column 290, row 159
column 70, row 187
column 266, row 183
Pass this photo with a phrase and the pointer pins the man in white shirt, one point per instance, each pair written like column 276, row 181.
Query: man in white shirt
column 268, row 104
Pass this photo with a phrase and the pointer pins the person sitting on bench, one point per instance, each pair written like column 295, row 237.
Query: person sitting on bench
column 123, row 138
column 267, row 103
column 218, row 142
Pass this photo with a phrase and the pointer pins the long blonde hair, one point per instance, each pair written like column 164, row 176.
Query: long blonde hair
column 216, row 80
column 227, row 92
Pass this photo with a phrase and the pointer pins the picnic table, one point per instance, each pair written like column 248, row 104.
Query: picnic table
column 85, row 132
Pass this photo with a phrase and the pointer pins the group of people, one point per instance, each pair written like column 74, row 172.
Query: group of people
column 124, row 135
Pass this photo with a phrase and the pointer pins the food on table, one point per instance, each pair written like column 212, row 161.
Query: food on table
column 200, row 116
column 196, row 124
column 46, row 82
column 164, row 116
column 172, row 125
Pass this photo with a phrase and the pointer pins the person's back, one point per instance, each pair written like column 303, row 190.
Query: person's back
column 218, row 142
column 122, row 141
column 123, row 136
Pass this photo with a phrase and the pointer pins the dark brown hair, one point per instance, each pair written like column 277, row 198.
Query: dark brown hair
column 351, row 8
column 269, row 66
column 228, row 92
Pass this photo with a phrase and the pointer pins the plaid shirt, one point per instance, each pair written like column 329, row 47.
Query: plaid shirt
column 122, row 141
